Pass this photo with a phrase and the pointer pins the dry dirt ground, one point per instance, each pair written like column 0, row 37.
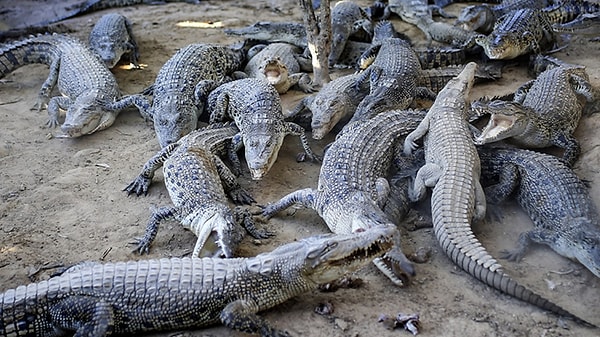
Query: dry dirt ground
column 61, row 200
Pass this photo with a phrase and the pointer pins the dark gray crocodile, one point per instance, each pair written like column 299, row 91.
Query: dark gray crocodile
column 453, row 170
column 255, row 106
column 90, row 94
column 482, row 17
column 347, row 18
column 184, row 81
column 335, row 102
column 435, row 79
column 392, row 77
column 557, row 201
column 197, row 180
column 584, row 24
column 282, row 65
column 353, row 185
column 530, row 30
column 112, row 37
column 130, row 297
column 545, row 112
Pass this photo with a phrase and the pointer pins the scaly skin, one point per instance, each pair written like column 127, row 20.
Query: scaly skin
column 482, row 17
column 346, row 19
column 453, row 170
column 557, row 201
column 183, row 83
column 111, row 38
column 184, row 293
column 281, row 65
column 197, row 181
column 353, row 185
column 545, row 112
column 90, row 94
column 255, row 106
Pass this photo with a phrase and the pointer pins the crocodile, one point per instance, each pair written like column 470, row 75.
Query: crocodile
column 392, row 77
column 123, row 298
column 112, row 37
column 353, row 183
column 435, row 79
column 529, row 30
column 584, row 24
column 452, row 168
column 335, row 102
column 184, row 81
column 281, row 64
column 481, row 18
column 544, row 112
column 347, row 18
column 197, row 180
column 255, row 106
column 557, row 201
column 90, row 94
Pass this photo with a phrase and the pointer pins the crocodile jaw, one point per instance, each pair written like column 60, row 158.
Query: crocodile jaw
column 500, row 47
column 275, row 72
column 261, row 152
column 499, row 127
column 85, row 116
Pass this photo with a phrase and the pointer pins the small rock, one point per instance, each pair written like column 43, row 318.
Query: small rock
column 340, row 323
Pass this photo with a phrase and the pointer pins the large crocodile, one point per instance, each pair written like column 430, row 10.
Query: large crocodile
column 197, row 180
column 453, row 170
column 282, row 65
column 557, row 201
column 112, row 37
column 347, row 18
column 353, row 185
column 184, row 81
column 545, row 111
column 335, row 102
column 392, row 77
column 482, row 17
column 255, row 106
column 90, row 94
column 130, row 297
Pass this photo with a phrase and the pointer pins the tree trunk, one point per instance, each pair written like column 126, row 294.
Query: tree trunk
column 318, row 36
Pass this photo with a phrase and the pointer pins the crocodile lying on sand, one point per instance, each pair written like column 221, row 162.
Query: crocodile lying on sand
column 557, row 201
column 353, row 185
column 452, row 168
column 90, row 94
column 130, row 297
column 197, row 180
column 112, row 37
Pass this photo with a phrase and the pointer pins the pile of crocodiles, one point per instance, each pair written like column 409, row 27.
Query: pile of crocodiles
column 210, row 100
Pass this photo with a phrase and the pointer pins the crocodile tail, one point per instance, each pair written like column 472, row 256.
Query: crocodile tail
column 36, row 49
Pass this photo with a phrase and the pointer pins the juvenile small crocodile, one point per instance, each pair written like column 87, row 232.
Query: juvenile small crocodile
column 557, row 201
column 197, row 180
column 545, row 111
column 182, row 83
column 281, row 64
column 482, row 17
column 130, row 297
column 90, row 94
column 335, row 102
column 347, row 18
column 255, row 106
column 453, row 170
column 353, row 185
column 112, row 37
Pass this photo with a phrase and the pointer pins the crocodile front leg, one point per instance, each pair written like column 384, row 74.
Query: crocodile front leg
column 297, row 130
column 305, row 197
column 49, row 84
column 540, row 236
column 231, row 185
column 141, row 183
column 241, row 315
column 86, row 316
column 571, row 146
column 55, row 105
column 244, row 218
column 427, row 176
column 158, row 215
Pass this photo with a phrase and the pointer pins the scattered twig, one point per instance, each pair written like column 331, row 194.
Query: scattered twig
column 562, row 272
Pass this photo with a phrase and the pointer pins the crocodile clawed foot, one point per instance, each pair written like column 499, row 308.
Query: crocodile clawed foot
column 138, row 186
column 241, row 197
column 511, row 255
column 142, row 246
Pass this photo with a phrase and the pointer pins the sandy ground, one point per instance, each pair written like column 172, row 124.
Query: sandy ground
column 61, row 200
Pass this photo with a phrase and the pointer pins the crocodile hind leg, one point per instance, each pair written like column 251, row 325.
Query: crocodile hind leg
column 86, row 316
column 244, row 218
column 427, row 176
column 231, row 185
column 241, row 315
column 297, row 130
column 571, row 146
column 305, row 197
column 158, row 215
column 525, row 239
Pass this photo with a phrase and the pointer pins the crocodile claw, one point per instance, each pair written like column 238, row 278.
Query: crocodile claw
column 241, row 197
column 138, row 186
column 143, row 246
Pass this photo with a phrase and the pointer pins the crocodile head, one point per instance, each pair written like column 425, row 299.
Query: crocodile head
column 503, row 46
column 275, row 71
column 109, row 51
column 174, row 121
column 479, row 18
column 261, row 147
column 507, row 120
column 290, row 32
column 218, row 235
column 324, row 258
column 86, row 116
column 327, row 111
column 583, row 245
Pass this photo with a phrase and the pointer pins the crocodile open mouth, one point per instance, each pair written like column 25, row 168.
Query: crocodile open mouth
column 498, row 124
column 375, row 249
